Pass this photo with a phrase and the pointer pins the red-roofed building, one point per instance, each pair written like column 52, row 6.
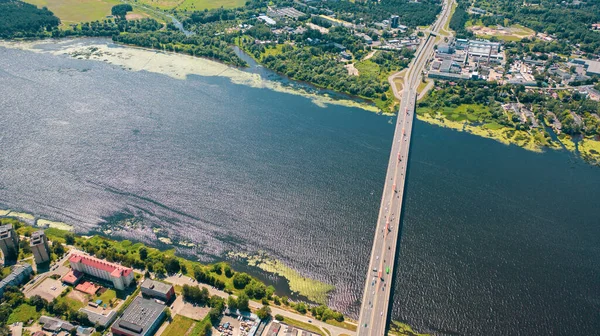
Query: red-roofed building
column 72, row 278
column 120, row 276
column 87, row 287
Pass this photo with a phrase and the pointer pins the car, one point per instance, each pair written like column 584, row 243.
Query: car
column 373, row 283
column 309, row 321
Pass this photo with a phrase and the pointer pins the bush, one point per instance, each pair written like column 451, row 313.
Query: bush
column 278, row 317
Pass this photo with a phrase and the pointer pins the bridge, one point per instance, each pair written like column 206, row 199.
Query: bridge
column 375, row 306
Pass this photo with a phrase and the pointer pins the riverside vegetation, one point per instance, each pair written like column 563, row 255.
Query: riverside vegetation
column 159, row 263
column 307, row 54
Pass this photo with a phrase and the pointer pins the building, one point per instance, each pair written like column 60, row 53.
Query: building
column 55, row 325
column 267, row 20
column 39, row 247
column 102, row 317
column 19, row 274
column 120, row 276
column 158, row 290
column 9, row 242
column 394, row 21
column 141, row 318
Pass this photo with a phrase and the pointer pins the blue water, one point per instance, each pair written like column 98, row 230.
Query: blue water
column 496, row 240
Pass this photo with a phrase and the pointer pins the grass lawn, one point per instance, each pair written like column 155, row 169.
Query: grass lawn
column 23, row 313
column 273, row 51
column 75, row 11
column 303, row 325
column 210, row 4
column 74, row 304
column 109, row 294
column 493, row 126
column 179, row 326
column 368, row 68
column 344, row 324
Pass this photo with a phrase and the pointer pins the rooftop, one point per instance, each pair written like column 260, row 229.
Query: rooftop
column 139, row 317
column 37, row 237
column 157, row 286
column 5, row 231
column 114, row 269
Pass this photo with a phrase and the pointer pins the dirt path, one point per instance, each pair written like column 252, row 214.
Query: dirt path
column 352, row 70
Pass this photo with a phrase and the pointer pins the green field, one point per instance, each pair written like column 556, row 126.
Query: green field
column 210, row 4
column 23, row 313
column 191, row 5
column 303, row 325
column 470, row 112
column 75, row 11
column 74, row 304
column 179, row 326
column 108, row 295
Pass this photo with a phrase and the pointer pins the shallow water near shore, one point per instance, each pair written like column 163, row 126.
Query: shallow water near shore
column 496, row 240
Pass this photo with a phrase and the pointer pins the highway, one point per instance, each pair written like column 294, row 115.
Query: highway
column 377, row 293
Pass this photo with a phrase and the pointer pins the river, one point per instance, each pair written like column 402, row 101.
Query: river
column 496, row 240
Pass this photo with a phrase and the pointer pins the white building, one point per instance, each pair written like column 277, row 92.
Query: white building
column 120, row 276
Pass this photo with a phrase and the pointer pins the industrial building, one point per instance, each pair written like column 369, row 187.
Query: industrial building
column 9, row 242
column 120, row 276
column 39, row 247
column 141, row 318
column 158, row 290
column 19, row 274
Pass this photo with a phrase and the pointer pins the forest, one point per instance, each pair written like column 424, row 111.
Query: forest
column 19, row 19
column 412, row 14
column 567, row 21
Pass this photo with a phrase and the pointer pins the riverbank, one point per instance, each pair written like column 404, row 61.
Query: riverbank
column 533, row 140
column 171, row 64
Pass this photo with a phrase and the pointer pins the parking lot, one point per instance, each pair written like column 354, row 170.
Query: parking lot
column 48, row 289
column 188, row 310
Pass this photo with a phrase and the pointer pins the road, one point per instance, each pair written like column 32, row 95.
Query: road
column 376, row 296
column 333, row 330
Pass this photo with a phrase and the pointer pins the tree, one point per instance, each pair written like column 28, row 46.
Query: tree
column 70, row 238
column 301, row 308
column 240, row 280
column 231, row 302
column 58, row 248
column 216, row 268
column 39, row 302
column 243, row 302
column 228, row 271
column 172, row 265
column 143, row 252
column 264, row 312
column 121, row 10
column 159, row 269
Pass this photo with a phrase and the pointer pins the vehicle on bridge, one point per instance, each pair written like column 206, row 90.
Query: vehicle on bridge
column 387, row 270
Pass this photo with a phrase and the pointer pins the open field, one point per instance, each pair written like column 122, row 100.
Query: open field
column 75, row 11
column 302, row 325
column 192, row 5
column 512, row 33
column 23, row 313
column 210, row 4
column 179, row 326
